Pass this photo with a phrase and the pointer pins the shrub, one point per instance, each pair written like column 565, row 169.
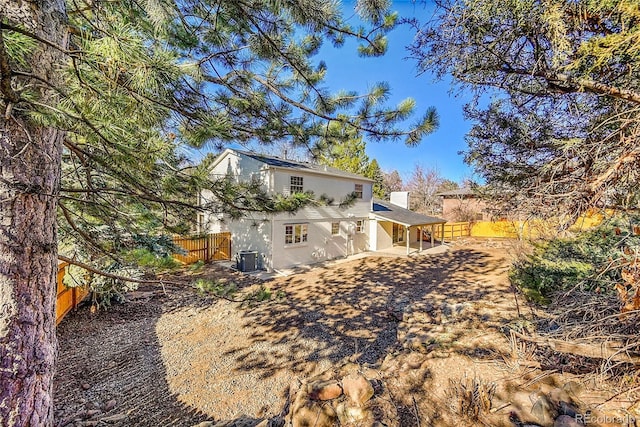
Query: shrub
column 215, row 287
column 592, row 260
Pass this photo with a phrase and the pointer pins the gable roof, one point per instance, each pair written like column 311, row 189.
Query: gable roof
column 279, row 163
column 394, row 213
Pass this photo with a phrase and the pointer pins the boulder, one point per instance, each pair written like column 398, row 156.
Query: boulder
column 352, row 414
column 324, row 390
column 309, row 413
column 110, row 405
column 357, row 388
column 543, row 409
column 313, row 415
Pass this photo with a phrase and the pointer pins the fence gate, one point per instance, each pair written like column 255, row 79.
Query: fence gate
column 210, row 247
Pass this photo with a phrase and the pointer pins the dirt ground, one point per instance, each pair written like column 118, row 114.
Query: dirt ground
column 420, row 324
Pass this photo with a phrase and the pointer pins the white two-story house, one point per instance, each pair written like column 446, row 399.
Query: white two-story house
column 314, row 233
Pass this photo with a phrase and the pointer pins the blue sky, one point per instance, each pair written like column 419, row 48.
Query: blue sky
column 346, row 70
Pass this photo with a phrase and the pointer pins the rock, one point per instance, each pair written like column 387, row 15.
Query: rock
column 313, row 415
column 86, row 386
column 566, row 408
column 92, row 405
column 573, row 388
column 357, row 388
column 543, row 408
column 114, row 418
column 204, row 424
column 558, row 395
column 352, row 414
column 92, row 412
column 307, row 413
column 110, row 405
column 324, row 390
column 566, row 421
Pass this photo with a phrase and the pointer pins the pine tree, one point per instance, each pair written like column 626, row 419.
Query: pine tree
column 374, row 172
column 99, row 100
column 343, row 148
column 559, row 135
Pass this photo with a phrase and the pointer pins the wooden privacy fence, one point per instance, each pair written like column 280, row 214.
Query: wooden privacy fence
column 67, row 298
column 453, row 230
column 210, row 247
column 491, row 229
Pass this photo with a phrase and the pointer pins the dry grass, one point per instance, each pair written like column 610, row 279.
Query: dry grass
column 470, row 398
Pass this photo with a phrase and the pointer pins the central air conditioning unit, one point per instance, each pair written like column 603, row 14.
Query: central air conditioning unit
column 247, row 261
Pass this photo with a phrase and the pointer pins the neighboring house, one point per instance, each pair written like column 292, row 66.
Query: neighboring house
column 463, row 205
column 314, row 233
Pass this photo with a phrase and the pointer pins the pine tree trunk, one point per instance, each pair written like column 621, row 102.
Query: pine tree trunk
column 30, row 158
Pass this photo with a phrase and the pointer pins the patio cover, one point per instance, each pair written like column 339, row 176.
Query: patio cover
column 390, row 212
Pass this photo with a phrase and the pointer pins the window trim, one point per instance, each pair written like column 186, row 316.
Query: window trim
column 296, row 187
column 335, row 232
column 359, row 192
column 298, row 236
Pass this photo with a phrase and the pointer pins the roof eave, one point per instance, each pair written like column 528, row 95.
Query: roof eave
column 406, row 224
column 320, row 172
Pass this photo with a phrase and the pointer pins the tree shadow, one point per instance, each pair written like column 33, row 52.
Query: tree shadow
column 350, row 311
column 221, row 350
column 110, row 365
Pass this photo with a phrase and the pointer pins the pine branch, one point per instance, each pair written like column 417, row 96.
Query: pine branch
column 573, row 84
column 7, row 26
column 116, row 276
column 85, row 236
column 161, row 282
column 8, row 94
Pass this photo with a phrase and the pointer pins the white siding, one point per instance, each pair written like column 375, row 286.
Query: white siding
column 335, row 187
column 321, row 244
column 252, row 235
column 266, row 234
column 384, row 234
column 241, row 168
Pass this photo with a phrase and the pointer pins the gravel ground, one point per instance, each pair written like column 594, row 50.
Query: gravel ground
column 181, row 358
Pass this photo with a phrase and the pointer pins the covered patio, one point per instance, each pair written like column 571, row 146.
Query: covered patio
column 396, row 226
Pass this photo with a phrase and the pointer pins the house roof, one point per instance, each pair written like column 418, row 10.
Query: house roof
column 394, row 213
column 279, row 163
column 457, row 192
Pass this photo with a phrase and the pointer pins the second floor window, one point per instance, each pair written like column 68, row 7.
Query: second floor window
column 296, row 185
column 358, row 191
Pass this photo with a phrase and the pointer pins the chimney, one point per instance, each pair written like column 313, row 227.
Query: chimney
column 400, row 198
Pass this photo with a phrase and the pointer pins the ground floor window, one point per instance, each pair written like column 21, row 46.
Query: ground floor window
column 360, row 226
column 335, row 228
column 295, row 233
